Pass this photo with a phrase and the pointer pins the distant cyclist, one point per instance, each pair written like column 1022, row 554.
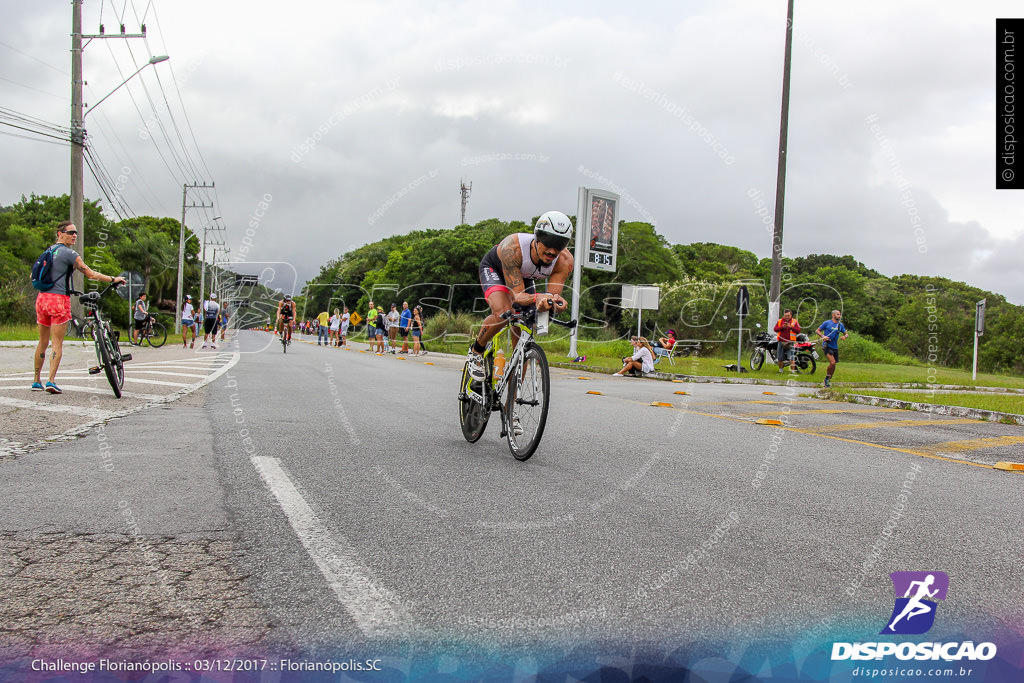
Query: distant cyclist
column 508, row 275
column 285, row 316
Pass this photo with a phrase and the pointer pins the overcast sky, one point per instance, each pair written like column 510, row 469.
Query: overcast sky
column 352, row 121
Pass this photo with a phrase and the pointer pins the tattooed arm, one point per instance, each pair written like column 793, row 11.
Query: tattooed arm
column 511, row 265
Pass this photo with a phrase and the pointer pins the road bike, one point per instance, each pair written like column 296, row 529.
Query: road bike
column 154, row 333
column 108, row 350
column 520, row 391
column 286, row 337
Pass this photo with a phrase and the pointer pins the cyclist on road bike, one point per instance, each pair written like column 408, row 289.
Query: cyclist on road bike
column 285, row 316
column 508, row 275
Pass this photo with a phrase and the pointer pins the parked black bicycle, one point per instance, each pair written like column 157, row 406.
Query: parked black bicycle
column 153, row 333
column 108, row 350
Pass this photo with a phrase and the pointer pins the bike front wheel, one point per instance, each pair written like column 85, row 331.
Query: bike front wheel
column 472, row 415
column 756, row 359
column 526, row 405
column 112, row 368
column 158, row 335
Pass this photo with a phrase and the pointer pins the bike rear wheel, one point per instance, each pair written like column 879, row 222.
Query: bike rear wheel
column 806, row 364
column 526, row 405
column 472, row 416
column 756, row 359
column 158, row 335
column 105, row 351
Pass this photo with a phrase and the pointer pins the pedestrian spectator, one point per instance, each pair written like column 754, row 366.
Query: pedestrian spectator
column 335, row 326
column 786, row 330
column 404, row 323
column 371, row 325
column 829, row 332
column 345, row 320
column 641, row 361
column 53, row 306
column 322, row 327
column 223, row 322
column 381, row 330
column 188, row 322
column 417, row 331
column 391, row 323
column 663, row 347
column 211, row 309
column 140, row 313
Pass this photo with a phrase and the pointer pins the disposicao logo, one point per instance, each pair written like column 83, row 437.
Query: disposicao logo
column 913, row 614
column 916, row 595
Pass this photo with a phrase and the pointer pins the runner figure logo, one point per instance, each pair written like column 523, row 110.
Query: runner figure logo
column 916, row 593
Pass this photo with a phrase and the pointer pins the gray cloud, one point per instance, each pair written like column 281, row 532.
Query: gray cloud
column 515, row 97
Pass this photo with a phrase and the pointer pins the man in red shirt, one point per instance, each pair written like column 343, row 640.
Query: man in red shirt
column 786, row 330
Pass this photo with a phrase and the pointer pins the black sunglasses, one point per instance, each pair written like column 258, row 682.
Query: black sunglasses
column 70, row 232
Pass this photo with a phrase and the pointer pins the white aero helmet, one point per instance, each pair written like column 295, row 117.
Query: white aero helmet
column 553, row 229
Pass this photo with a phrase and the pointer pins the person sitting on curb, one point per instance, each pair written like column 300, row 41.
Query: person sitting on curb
column 642, row 360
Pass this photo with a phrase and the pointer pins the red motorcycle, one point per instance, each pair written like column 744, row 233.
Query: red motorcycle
column 765, row 344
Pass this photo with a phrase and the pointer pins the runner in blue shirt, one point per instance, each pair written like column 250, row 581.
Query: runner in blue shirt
column 404, row 325
column 829, row 332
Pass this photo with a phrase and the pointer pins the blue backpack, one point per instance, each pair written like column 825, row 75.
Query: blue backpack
column 42, row 270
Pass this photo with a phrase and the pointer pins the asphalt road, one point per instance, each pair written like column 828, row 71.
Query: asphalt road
column 352, row 513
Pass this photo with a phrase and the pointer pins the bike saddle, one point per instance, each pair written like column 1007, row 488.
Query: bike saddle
column 89, row 298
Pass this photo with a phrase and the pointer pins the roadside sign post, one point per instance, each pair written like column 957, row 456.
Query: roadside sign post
column 979, row 329
column 742, row 309
column 640, row 297
column 597, row 241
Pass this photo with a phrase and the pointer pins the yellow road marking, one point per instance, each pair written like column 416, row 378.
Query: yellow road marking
column 810, row 432
column 826, row 411
column 893, row 423
column 974, row 444
column 762, row 401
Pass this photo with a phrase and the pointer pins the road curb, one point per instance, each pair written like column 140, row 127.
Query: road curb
column 952, row 411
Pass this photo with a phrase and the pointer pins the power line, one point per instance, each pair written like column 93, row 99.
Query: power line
column 29, row 87
column 174, row 80
column 35, row 59
column 63, row 143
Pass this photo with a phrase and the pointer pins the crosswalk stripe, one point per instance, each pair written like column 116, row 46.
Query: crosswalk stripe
column 164, row 372
column 159, row 382
column 81, row 411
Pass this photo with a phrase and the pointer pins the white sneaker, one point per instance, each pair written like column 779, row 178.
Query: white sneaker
column 213, row 345
column 475, row 364
column 205, row 345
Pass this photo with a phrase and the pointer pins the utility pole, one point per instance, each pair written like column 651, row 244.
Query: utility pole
column 202, row 276
column 465, row 198
column 77, row 138
column 78, row 127
column 774, row 291
column 181, row 246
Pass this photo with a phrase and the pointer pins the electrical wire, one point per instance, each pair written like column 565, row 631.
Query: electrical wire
column 174, row 79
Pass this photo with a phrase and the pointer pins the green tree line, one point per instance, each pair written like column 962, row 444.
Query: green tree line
column 924, row 317
column 144, row 244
